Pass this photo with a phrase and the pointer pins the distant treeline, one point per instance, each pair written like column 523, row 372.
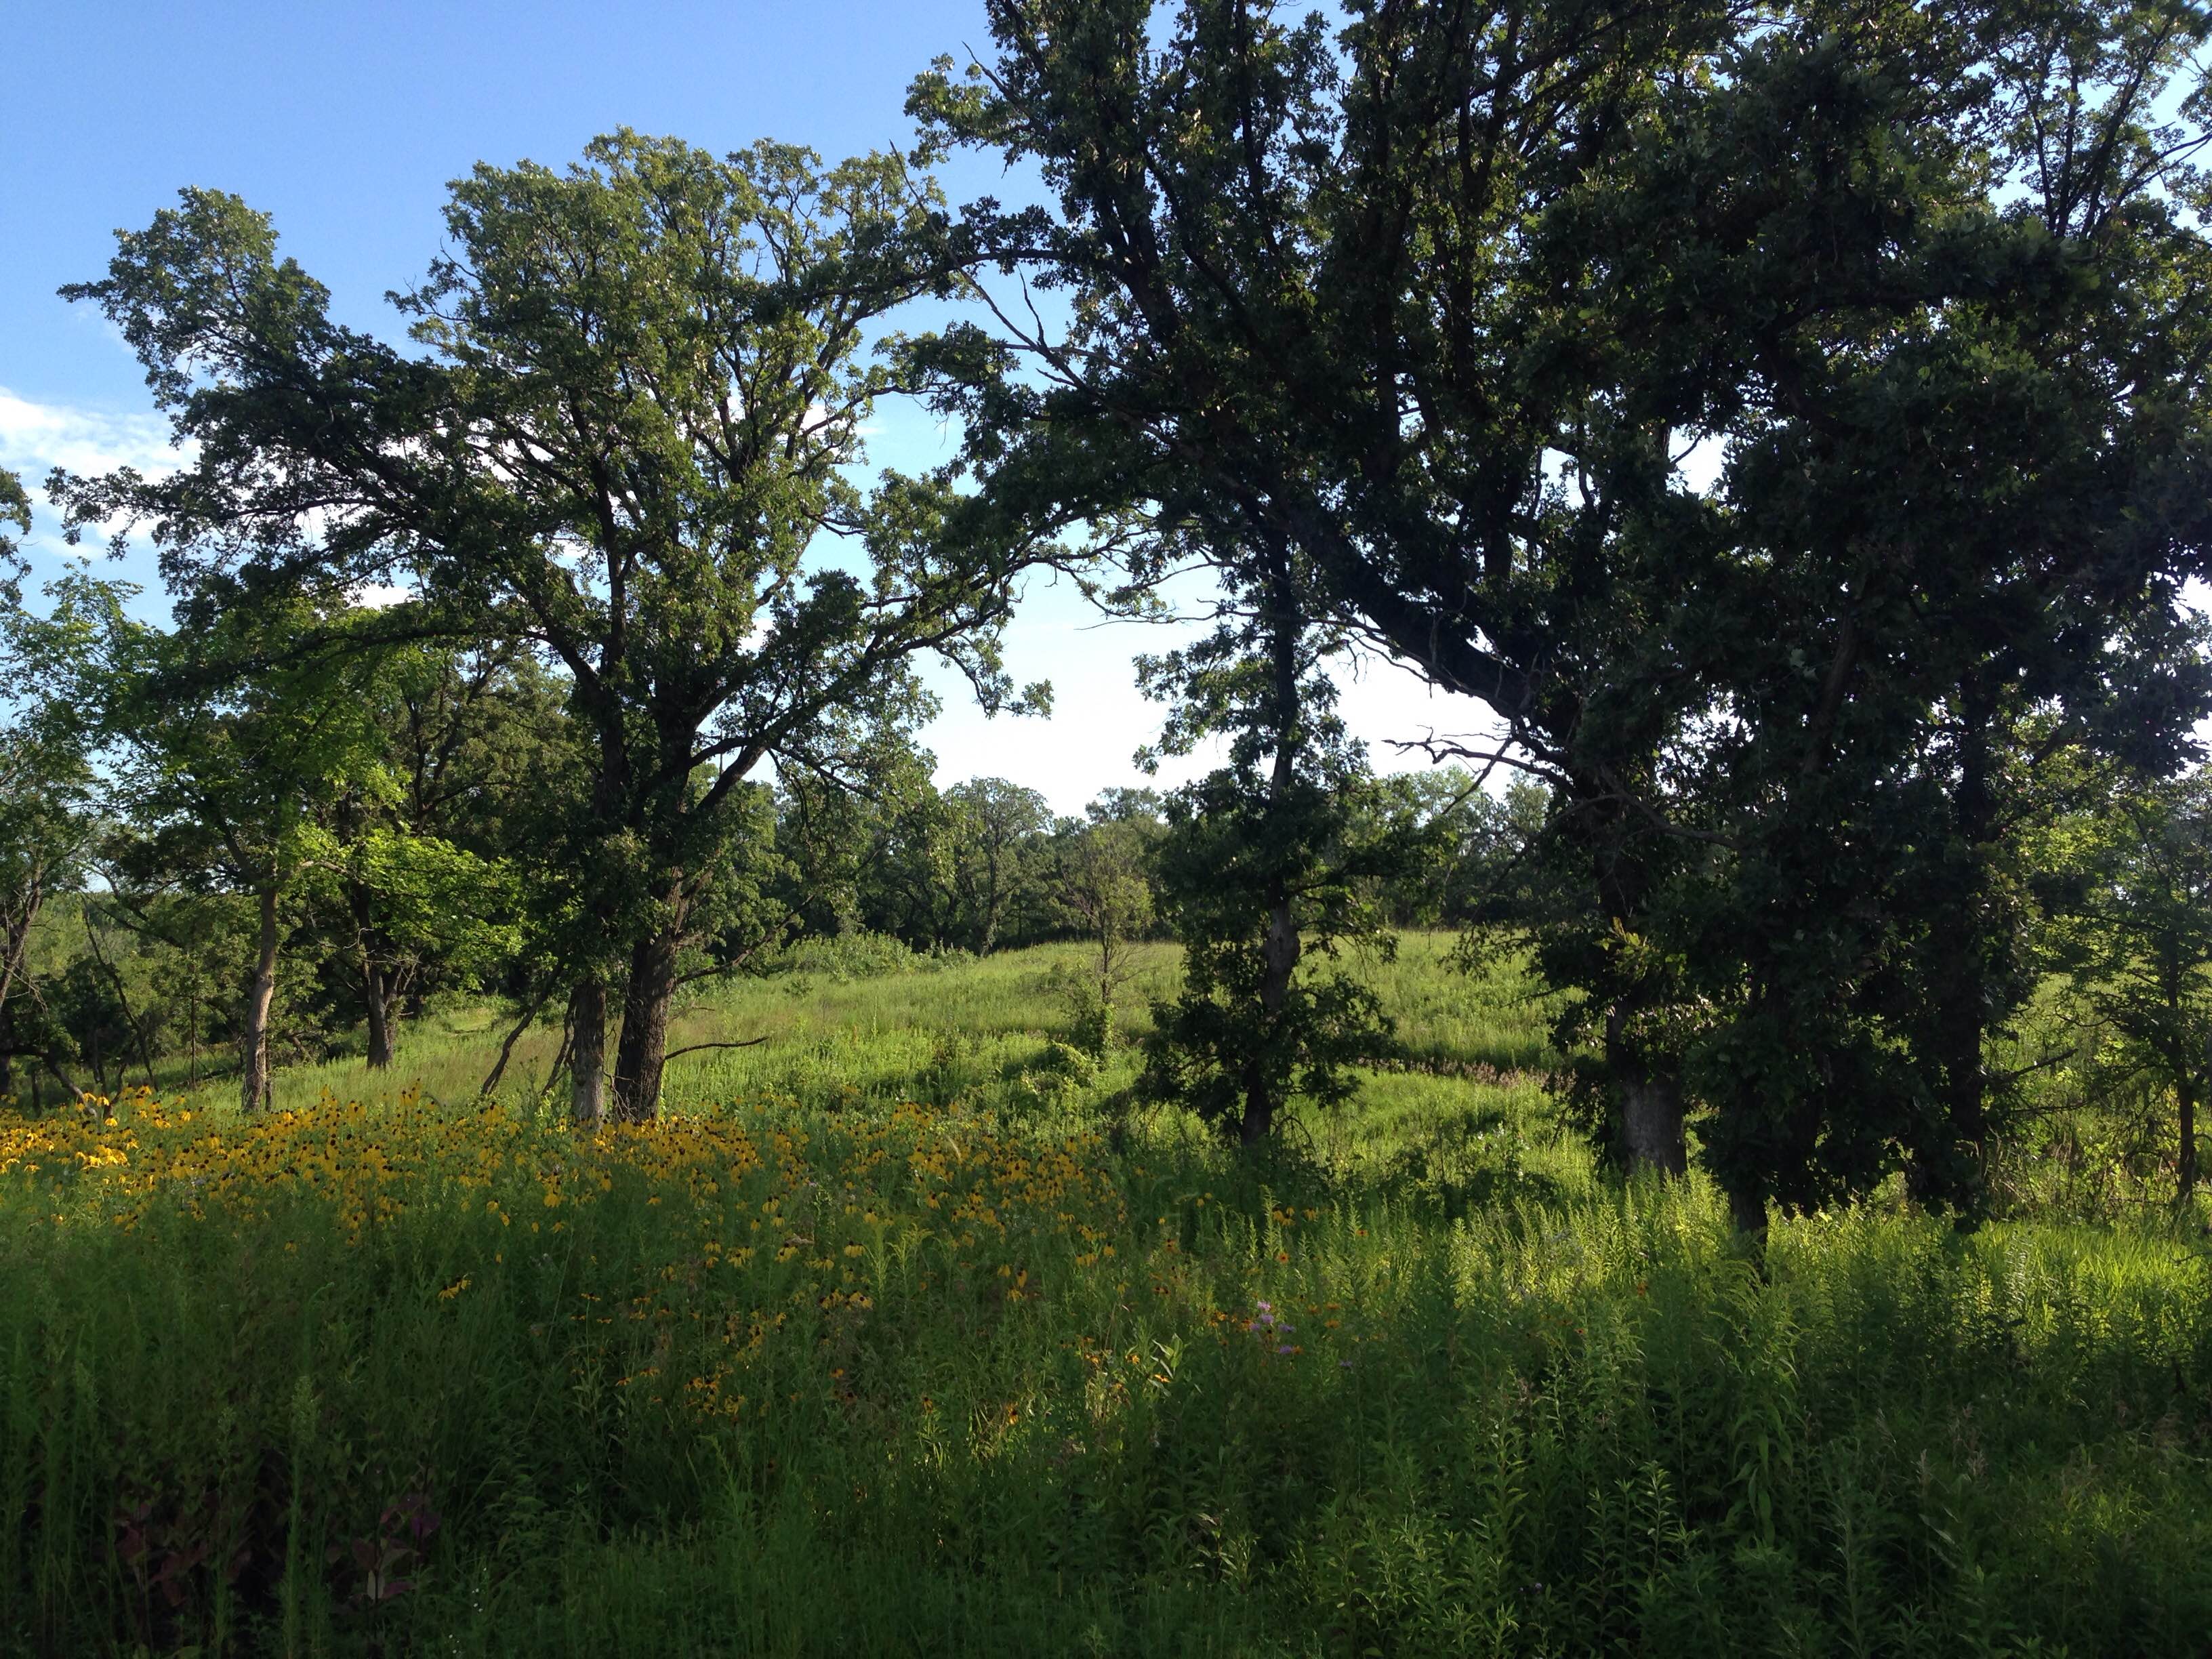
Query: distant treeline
column 413, row 884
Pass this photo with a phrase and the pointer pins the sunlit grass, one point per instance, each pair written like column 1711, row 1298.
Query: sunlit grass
column 878, row 1343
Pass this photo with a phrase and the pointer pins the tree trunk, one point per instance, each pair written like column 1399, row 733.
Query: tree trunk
column 377, row 992
column 1651, row 1130
column 1642, row 1092
column 1280, row 945
column 1648, row 1101
column 71, row 1088
column 253, row 1033
column 993, row 901
column 123, row 1001
column 2185, row 1092
column 647, row 1005
column 12, row 955
column 587, row 1051
column 376, row 985
column 1749, row 1214
column 1279, row 961
column 1259, row 1117
column 1961, row 967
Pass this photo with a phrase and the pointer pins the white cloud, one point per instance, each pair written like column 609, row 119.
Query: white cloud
column 1100, row 718
column 35, row 438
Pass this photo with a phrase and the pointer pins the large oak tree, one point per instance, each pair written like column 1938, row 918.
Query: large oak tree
column 1442, row 296
column 630, row 435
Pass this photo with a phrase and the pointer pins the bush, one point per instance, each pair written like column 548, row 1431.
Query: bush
column 843, row 958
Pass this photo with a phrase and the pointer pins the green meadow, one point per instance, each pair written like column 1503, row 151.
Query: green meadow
column 903, row 1333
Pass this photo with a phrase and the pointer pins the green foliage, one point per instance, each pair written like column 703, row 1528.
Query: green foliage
column 16, row 509
column 963, row 869
column 433, row 899
column 1434, row 1385
column 234, row 739
column 1232, row 1029
column 1466, row 854
column 686, row 350
column 1100, row 879
column 48, row 787
column 1268, row 866
column 2136, row 940
column 842, row 958
column 1442, row 298
column 1860, row 871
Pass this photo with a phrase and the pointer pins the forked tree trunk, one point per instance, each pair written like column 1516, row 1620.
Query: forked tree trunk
column 122, row 1002
column 647, row 1006
column 253, row 1033
column 587, row 1051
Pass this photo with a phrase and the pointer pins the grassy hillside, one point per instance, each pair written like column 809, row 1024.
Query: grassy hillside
column 902, row 1335
column 882, row 1023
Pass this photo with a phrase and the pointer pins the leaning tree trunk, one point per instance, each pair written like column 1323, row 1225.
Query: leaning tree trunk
column 587, row 1051
column 647, row 1005
column 12, row 949
column 253, row 1032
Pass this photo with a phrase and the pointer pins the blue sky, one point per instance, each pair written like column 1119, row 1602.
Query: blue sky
column 345, row 122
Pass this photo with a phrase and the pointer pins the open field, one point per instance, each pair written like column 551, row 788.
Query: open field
column 898, row 1336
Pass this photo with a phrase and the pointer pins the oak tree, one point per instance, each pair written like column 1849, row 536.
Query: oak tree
column 630, row 437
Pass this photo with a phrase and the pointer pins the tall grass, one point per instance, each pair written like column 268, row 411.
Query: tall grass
column 820, row 1372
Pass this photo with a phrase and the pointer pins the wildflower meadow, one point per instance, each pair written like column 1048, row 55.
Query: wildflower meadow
column 931, row 1360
